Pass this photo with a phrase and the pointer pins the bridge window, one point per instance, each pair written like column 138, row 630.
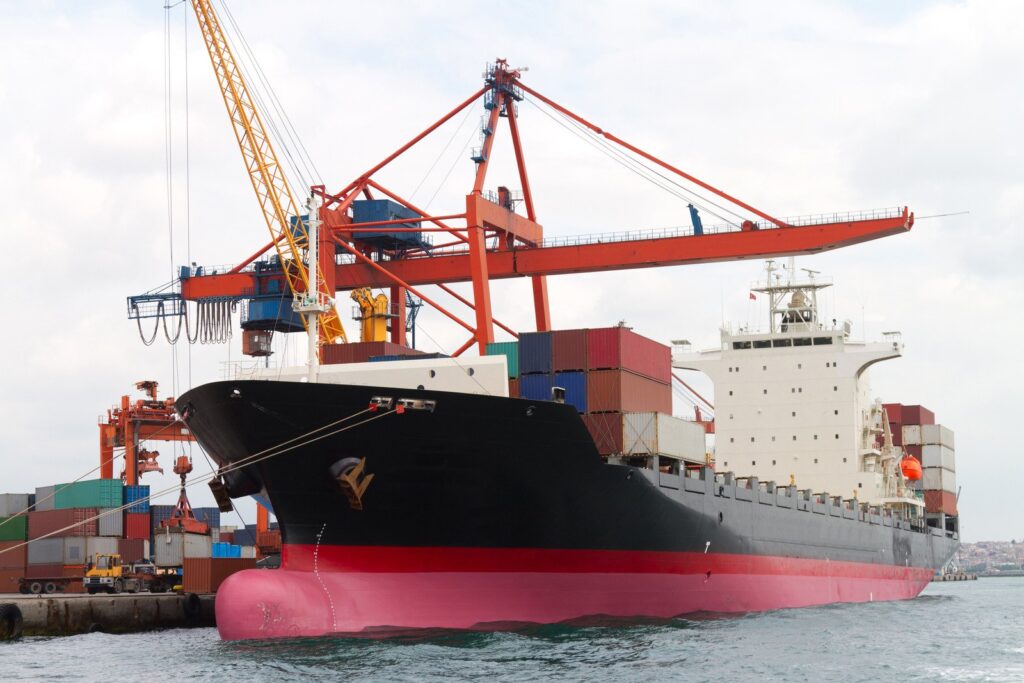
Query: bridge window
column 762, row 343
column 822, row 340
column 802, row 341
column 782, row 342
column 741, row 345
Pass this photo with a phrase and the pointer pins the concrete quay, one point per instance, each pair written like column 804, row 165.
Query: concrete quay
column 62, row 615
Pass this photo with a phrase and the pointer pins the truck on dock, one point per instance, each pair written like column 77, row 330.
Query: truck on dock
column 108, row 574
column 37, row 585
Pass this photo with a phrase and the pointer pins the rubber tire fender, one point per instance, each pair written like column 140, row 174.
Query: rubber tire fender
column 11, row 622
column 192, row 606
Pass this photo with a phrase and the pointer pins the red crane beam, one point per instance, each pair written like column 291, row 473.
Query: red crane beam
column 589, row 258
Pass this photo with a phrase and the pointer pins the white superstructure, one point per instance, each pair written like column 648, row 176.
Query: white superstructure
column 793, row 403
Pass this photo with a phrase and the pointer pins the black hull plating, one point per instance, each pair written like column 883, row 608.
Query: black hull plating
column 489, row 472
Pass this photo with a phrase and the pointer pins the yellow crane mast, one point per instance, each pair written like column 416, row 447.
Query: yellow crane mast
column 373, row 314
column 268, row 181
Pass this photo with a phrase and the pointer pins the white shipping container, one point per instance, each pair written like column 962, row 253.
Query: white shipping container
column 938, row 435
column 248, row 551
column 46, row 551
column 939, row 479
column 170, row 550
column 69, row 550
column 911, row 435
column 938, row 456
column 44, row 498
column 110, row 523
column 661, row 434
column 13, row 504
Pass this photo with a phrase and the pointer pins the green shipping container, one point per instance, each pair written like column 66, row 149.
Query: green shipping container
column 14, row 528
column 92, row 493
column 511, row 352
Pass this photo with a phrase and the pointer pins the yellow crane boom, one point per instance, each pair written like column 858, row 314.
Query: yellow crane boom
column 268, row 181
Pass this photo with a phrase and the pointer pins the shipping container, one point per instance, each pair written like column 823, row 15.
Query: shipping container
column 211, row 516
column 917, row 415
column 661, row 434
column 133, row 549
column 226, row 536
column 619, row 348
column 912, row 435
column 159, row 513
column 139, row 495
column 248, row 551
column 137, row 525
column 513, row 388
column 622, row 391
column 569, row 350
column 938, row 456
column 361, row 352
column 939, row 479
column 575, row 385
column 44, row 498
column 14, row 503
column 171, row 549
column 206, row 574
column 606, row 430
column 74, row 571
column 937, row 435
column 13, row 555
column 511, row 352
column 66, row 522
column 244, row 537
column 269, row 541
column 70, row 549
column 110, row 523
column 536, row 387
column 897, row 433
column 91, row 493
column 44, row 571
column 894, row 411
column 940, row 501
column 10, row 580
column 534, row 353
column 14, row 528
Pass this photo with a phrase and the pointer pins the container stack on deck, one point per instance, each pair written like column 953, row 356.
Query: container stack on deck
column 13, row 534
column 914, row 429
column 618, row 380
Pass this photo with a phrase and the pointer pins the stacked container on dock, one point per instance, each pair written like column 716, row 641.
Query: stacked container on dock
column 13, row 559
column 206, row 574
column 172, row 546
column 932, row 445
column 16, row 503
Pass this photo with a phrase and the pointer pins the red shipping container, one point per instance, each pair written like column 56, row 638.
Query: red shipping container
column 914, row 451
column 42, row 523
column 361, row 352
column 227, row 537
column 206, row 574
column 621, row 348
column 13, row 555
column 44, row 571
column 269, row 541
column 137, row 525
column 621, row 391
column 894, row 411
column 568, row 350
column 917, row 415
column 897, row 433
column 73, row 571
column 131, row 549
column 513, row 388
column 940, row 501
column 10, row 580
column 606, row 430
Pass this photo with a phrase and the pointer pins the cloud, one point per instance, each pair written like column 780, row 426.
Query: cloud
column 794, row 107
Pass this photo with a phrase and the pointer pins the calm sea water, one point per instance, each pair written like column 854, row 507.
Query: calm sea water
column 971, row 631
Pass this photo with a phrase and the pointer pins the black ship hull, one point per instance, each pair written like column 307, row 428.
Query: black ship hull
column 487, row 510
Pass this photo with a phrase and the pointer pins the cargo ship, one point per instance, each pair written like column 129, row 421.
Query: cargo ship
column 419, row 493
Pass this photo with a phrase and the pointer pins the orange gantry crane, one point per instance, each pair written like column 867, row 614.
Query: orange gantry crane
column 368, row 235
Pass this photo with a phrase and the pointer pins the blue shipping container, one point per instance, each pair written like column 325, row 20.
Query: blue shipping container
column 245, row 537
column 534, row 352
column 575, row 385
column 210, row 516
column 159, row 513
column 139, row 495
column 536, row 387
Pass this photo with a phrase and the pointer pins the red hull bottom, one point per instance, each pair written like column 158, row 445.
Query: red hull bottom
column 359, row 590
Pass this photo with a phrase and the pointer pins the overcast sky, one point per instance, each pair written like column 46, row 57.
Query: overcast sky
column 796, row 107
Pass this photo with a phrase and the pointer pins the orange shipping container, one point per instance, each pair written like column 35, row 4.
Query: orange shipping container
column 271, row 540
column 13, row 555
column 623, row 391
column 606, row 430
column 513, row 388
column 74, row 571
column 206, row 574
column 940, row 501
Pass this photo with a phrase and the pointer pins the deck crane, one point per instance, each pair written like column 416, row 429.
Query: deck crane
column 383, row 238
